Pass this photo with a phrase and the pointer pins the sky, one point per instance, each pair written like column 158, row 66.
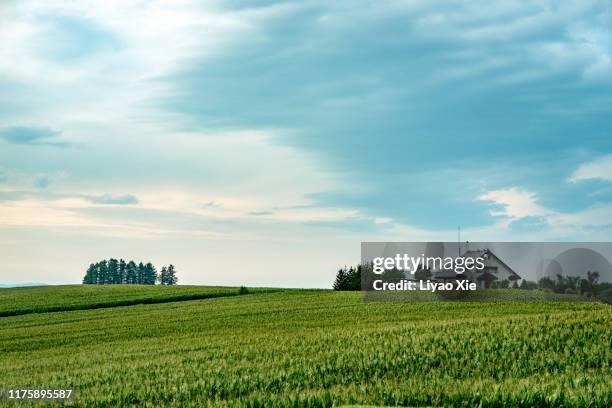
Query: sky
column 260, row 142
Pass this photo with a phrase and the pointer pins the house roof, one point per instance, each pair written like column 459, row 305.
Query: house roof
column 482, row 252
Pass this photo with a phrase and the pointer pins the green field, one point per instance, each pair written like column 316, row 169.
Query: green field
column 42, row 299
column 313, row 348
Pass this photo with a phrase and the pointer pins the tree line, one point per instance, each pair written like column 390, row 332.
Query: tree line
column 117, row 272
column 349, row 278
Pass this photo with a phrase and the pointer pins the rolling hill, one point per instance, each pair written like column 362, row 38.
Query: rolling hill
column 312, row 348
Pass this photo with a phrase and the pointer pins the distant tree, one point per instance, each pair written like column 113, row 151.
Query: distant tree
column 116, row 271
column 524, row 284
column 546, row 283
column 167, row 276
column 392, row 275
column 592, row 278
column 90, row 275
column 122, row 271
column 162, row 276
column 113, row 271
column 584, row 287
column 140, row 276
column 504, row 284
column 131, row 273
column 150, row 274
column 172, row 278
column 515, row 285
column 103, row 278
column 573, row 282
column 348, row 278
column 340, row 282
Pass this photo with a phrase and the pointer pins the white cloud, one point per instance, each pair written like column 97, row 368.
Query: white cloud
column 600, row 168
column 515, row 202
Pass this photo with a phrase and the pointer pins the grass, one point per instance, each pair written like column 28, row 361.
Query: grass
column 45, row 299
column 317, row 349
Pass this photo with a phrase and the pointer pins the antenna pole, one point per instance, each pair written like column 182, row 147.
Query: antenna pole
column 459, row 240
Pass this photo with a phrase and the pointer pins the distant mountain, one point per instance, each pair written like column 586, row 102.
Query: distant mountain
column 21, row 285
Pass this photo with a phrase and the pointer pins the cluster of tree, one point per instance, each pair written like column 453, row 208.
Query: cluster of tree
column 350, row 278
column 575, row 284
column 114, row 272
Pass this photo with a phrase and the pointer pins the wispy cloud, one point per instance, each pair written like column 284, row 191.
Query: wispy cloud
column 322, row 123
column 109, row 199
column 600, row 168
column 32, row 136
column 515, row 203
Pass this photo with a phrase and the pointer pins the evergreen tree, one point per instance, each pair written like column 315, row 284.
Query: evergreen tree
column 132, row 273
column 163, row 276
column 113, row 271
column 141, row 274
column 172, row 278
column 150, row 274
column 122, row 271
column 89, row 275
column 348, row 279
column 116, row 271
column 103, row 278
column 340, row 282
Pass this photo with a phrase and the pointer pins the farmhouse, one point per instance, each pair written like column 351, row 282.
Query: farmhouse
column 495, row 270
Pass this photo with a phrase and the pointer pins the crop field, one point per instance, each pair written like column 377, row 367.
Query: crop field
column 316, row 349
column 40, row 299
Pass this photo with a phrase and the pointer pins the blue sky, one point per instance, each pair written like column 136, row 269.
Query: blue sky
column 258, row 142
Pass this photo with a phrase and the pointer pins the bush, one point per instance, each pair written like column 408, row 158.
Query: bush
column 243, row 290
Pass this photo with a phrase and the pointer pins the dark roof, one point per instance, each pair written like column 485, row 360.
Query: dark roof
column 481, row 252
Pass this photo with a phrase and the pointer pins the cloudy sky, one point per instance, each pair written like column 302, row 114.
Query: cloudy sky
column 259, row 142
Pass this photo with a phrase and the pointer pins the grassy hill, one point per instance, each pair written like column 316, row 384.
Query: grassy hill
column 315, row 348
column 42, row 299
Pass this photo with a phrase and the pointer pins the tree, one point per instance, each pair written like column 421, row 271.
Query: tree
column 546, row 283
column 515, row 285
column 172, row 278
column 122, row 271
column 340, row 282
column 573, row 282
column 113, row 271
column 167, row 276
column 592, row 278
column 131, row 273
column 103, row 273
column 348, row 279
column 161, row 278
column 140, row 274
column 392, row 275
column 90, row 275
column 524, row 284
column 150, row 275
